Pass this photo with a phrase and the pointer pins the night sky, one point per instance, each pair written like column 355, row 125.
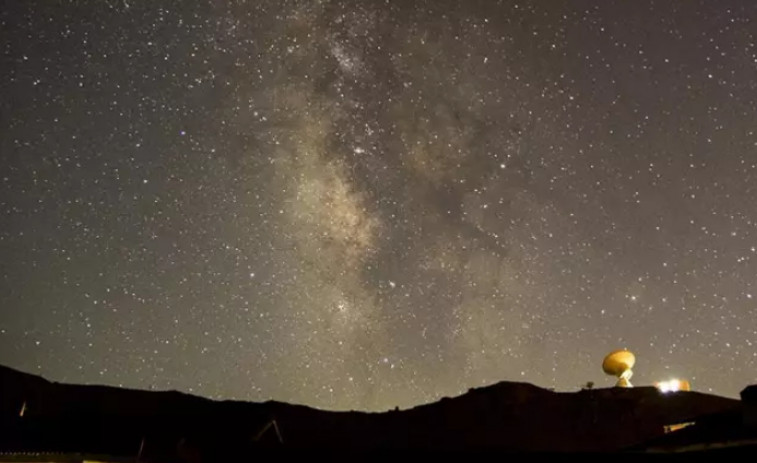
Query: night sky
column 376, row 204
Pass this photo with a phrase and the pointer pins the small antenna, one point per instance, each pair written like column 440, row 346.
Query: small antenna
column 141, row 449
column 269, row 425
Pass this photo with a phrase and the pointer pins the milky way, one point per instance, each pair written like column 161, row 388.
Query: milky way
column 377, row 204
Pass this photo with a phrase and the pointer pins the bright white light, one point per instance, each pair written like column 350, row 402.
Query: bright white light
column 669, row 386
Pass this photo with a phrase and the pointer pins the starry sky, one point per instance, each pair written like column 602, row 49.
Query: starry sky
column 362, row 205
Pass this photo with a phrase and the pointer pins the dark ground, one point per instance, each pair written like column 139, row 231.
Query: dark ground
column 171, row 426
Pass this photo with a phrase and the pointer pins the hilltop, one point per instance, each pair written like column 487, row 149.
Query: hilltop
column 161, row 426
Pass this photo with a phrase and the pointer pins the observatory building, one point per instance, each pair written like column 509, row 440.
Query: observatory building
column 619, row 363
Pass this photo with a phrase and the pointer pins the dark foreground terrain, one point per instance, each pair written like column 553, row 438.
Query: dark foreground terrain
column 46, row 421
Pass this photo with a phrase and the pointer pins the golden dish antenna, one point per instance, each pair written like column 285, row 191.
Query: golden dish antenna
column 619, row 363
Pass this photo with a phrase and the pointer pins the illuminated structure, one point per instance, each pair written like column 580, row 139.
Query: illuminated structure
column 673, row 385
column 619, row 363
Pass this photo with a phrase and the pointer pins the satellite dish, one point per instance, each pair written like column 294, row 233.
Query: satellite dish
column 618, row 363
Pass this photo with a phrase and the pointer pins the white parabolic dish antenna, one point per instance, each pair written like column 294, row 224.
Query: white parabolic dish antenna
column 619, row 363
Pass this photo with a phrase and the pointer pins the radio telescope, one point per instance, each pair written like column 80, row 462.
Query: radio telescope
column 619, row 363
